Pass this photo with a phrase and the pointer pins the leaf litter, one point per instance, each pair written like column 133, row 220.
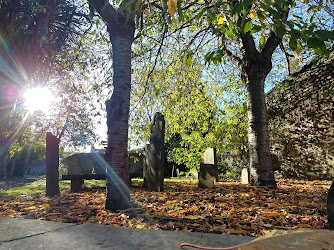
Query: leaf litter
column 228, row 208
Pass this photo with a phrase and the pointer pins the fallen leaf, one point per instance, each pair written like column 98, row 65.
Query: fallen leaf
column 272, row 214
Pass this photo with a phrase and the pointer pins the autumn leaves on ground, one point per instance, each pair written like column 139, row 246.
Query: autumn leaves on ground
column 229, row 208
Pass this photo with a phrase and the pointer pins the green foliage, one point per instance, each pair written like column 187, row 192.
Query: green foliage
column 26, row 148
column 194, row 118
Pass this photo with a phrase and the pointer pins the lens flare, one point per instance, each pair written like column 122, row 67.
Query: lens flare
column 38, row 99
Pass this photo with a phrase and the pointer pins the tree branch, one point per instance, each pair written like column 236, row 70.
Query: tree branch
column 287, row 55
column 155, row 63
column 236, row 60
column 273, row 41
column 104, row 9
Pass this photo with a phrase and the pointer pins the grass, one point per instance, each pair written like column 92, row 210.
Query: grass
column 30, row 189
column 38, row 187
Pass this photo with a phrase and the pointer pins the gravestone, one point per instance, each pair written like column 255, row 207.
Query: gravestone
column 154, row 163
column 210, row 156
column 330, row 207
column 81, row 163
column 193, row 175
column 208, row 174
column 52, row 165
column 244, row 176
column 178, row 173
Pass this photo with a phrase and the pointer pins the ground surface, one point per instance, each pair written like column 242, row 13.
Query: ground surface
column 6, row 184
column 228, row 208
column 18, row 233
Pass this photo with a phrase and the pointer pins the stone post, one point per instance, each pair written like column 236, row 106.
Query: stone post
column 330, row 207
column 244, row 176
column 208, row 173
column 154, row 163
column 52, row 165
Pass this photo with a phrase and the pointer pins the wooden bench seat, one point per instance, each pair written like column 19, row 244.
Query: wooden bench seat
column 78, row 180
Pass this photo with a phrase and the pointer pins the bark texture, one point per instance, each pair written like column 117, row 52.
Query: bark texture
column 255, row 68
column 121, row 36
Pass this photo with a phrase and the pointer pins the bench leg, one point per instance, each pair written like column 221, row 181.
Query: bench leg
column 76, row 185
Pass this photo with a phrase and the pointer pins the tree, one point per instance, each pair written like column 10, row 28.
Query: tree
column 30, row 32
column 121, row 28
column 34, row 34
column 121, row 18
column 250, row 32
column 191, row 113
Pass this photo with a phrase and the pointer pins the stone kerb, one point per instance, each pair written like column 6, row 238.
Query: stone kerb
column 154, row 163
column 208, row 173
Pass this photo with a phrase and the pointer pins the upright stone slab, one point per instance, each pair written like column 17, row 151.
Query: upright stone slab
column 208, row 174
column 330, row 207
column 146, row 165
column 244, row 176
column 154, row 166
column 210, row 156
column 52, row 164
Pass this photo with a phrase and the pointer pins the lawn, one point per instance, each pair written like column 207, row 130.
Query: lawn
column 229, row 208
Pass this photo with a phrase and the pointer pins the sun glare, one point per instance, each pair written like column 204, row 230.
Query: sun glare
column 38, row 99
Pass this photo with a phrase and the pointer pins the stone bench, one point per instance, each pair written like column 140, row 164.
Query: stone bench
column 78, row 180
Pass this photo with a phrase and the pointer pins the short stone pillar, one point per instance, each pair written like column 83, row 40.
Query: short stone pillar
column 154, row 163
column 244, row 176
column 330, row 207
column 208, row 174
column 76, row 185
column 52, row 165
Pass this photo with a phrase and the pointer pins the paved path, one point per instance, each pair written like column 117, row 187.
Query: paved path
column 18, row 233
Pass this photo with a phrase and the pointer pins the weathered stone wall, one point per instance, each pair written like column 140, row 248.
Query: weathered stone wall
column 38, row 168
column 301, row 122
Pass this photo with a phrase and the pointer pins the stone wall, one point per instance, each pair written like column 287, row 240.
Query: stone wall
column 37, row 168
column 301, row 122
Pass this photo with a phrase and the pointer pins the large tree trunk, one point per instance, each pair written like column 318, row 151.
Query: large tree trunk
column 261, row 171
column 121, row 30
column 254, row 71
column 118, row 195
